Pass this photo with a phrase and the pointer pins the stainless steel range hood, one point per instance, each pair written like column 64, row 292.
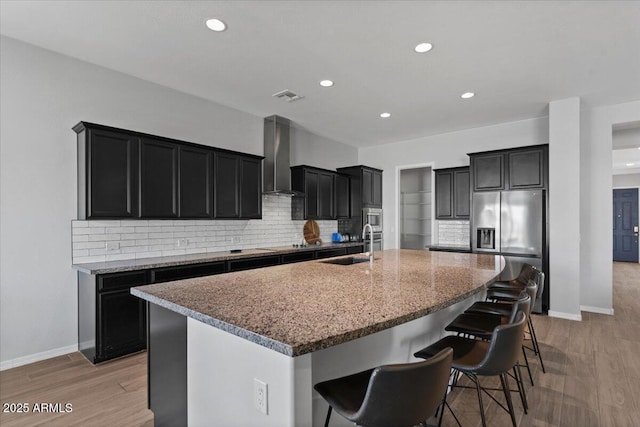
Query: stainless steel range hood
column 276, row 173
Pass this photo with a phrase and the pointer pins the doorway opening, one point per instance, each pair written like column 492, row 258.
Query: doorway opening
column 415, row 208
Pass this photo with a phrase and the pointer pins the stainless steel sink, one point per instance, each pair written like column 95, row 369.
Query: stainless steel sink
column 347, row 260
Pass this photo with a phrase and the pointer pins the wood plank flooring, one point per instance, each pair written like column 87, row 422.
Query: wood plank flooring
column 592, row 379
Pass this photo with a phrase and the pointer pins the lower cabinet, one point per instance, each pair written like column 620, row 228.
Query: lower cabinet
column 113, row 323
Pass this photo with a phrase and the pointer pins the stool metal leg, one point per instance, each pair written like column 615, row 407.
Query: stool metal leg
column 507, row 394
column 536, row 346
column 526, row 361
column 479, row 391
column 523, row 395
column 326, row 422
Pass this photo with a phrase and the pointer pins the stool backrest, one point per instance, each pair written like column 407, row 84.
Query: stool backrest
column 528, row 272
column 505, row 347
column 405, row 394
column 523, row 304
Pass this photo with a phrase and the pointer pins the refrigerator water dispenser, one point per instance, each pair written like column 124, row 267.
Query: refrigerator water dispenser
column 486, row 238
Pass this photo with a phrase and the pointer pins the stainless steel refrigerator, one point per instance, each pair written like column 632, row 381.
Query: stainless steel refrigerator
column 510, row 223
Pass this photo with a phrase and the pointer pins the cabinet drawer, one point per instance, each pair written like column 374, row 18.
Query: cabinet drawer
column 355, row 249
column 167, row 274
column 115, row 281
column 328, row 253
column 247, row 264
column 297, row 257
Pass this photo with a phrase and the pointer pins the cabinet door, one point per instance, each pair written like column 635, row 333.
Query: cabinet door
column 355, row 201
column 158, row 179
column 444, row 189
column 376, row 184
column 526, row 169
column 342, row 196
column 311, row 183
column 461, row 194
column 326, row 196
column 112, row 174
column 251, row 188
column 196, row 192
column 121, row 324
column 488, row 172
column 227, row 186
column 367, row 187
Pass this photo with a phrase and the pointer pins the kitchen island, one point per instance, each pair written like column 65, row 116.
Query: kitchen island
column 291, row 326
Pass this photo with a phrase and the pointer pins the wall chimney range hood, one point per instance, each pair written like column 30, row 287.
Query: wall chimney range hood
column 276, row 173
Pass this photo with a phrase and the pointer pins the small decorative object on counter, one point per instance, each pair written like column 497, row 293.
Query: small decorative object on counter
column 337, row 238
column 311, row 232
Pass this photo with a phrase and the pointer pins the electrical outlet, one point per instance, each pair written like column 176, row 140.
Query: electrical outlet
column 182, row 243
column 260, row 396
column 112, row 246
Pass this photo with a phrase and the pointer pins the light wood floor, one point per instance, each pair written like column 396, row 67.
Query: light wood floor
column 592, row 379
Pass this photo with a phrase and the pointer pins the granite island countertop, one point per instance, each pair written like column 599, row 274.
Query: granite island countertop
column 197, row 258
column 304, row 307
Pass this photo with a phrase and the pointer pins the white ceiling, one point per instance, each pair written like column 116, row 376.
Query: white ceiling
column 516, row 56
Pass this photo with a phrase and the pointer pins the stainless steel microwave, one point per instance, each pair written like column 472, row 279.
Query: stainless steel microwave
column 372, row 216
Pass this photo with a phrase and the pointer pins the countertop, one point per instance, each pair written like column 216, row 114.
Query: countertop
column 304, row 307
column 169, row 261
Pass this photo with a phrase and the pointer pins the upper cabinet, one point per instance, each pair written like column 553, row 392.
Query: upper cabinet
column 318, row 186
column 107, row 173
column 196, row 177
column 365, row 188
column 513, row 169
column 342, row 196
column 126, row 174
column 452, row 193
column 158, row 179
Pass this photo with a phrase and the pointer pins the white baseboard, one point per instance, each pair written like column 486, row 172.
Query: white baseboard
column 598, row 310
column 568, row 316
column 25, row 360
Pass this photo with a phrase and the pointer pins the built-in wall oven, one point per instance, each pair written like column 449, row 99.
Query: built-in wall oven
column 373, row 216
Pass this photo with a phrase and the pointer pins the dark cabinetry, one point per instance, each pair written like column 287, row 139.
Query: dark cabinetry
column 158, row 179
column 513, row 169
column 127, row 174
column 319, row 191
column 238, row 186
column 107, row 173
column 452, row 193
column 196, row 190
column 342, row 196
column 111, row 321
column 365, row 188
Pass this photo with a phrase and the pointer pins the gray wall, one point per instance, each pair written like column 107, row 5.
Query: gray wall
column 43, row 95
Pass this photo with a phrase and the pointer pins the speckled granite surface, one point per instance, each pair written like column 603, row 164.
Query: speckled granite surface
column 304, row 307
column 144, row 263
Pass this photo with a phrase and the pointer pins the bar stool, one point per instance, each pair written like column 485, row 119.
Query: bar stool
column 475, row 358
column 503, row 296
column 391, row 395
column 527, row 272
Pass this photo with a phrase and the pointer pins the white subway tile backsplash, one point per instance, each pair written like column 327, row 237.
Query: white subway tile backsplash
column 154, row 238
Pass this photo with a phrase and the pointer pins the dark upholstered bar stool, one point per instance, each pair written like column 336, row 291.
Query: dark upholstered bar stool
column 481, row 325
column 503, row 296
column 527, row 273
column 475, row 358
column 391, row 395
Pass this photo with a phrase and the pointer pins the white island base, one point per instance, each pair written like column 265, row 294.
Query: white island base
column 222, row 367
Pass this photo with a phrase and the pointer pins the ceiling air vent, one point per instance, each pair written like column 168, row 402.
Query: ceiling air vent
column 287, row 95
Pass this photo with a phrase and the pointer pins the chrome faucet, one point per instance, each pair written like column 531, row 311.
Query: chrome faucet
column 364, row 234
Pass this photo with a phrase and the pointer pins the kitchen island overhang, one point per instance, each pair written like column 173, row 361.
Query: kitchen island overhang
column 291, row 326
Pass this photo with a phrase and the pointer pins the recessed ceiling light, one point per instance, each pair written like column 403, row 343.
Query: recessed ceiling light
column 215, row 24
column 467, row 95
column 326, row 83
column 423, row 47
column 630, row 164
column 385, row 115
